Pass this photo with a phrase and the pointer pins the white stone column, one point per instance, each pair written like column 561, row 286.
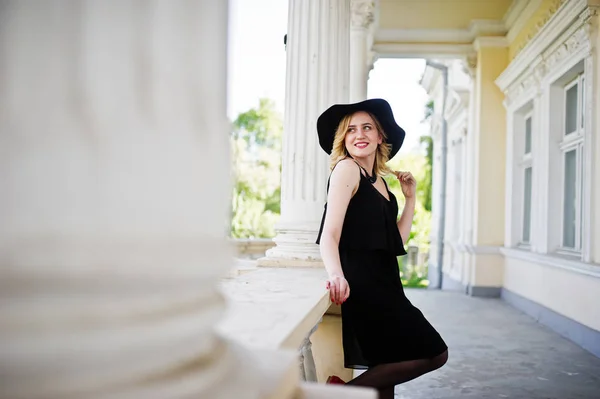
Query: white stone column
column 115, row 196
column 363, row 15
column 318, row 56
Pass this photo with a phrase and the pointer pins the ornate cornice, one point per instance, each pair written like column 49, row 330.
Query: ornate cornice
column 589, row 17
column 569, row 47
column 554, row 6
column 469, row 65
column 571, row 32
column 546, row 62
column 362, row 13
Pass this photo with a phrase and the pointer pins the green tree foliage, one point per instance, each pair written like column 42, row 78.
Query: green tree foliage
column 427, row 143
column 429, row 109
column 256, row 155
column 416, row 164
column 426, row 184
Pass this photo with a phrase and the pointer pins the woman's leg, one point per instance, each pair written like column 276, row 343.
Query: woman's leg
column 386, row 393
column 391, row 374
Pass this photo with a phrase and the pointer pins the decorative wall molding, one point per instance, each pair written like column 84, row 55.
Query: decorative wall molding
column 548, row 34
column 470, row 65
column 528, row 70
column 552, row 10
column 362, row 14
column 518, row 15
column 458, row 102
column 529, row 81
column 568, row 48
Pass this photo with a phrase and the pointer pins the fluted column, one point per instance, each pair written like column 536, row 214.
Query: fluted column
column 363, row 16
column 317, row 77
column 114, row 184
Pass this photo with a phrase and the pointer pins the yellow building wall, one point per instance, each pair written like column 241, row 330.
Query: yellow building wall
column 328, row 351
column 482, row 268
column 491, row 147
column 570, row 294
column 488, row 271
column 544, row 12
column 438, row 14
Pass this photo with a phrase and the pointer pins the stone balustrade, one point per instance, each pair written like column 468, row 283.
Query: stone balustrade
column 251, row 248
column 276, row 309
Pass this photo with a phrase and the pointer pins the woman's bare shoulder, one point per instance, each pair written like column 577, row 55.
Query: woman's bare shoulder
column 346, row 171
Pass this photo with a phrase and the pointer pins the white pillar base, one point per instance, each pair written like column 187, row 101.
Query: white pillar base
column 295, row 247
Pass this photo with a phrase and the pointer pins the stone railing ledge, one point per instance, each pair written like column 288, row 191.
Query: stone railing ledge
column 274, row 308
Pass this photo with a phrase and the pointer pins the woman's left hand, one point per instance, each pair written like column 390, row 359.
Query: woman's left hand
column 408, row 183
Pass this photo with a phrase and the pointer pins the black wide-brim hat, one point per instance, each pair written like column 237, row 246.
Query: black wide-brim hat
column 329, row 120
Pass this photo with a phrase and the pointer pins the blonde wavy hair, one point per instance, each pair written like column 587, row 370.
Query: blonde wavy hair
column 339, row 151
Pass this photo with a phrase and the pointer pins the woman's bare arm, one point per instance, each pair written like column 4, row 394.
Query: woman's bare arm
column 409, row 188
column 342, row 185
column 406, row 219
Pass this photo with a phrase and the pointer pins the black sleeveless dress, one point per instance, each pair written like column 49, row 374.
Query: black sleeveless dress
column 379, row 324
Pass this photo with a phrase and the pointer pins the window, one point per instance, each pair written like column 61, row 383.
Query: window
column 571, row 148
column 457, row 189
column 526, row 175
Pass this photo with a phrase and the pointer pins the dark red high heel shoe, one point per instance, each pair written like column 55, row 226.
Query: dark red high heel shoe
column 334, row 379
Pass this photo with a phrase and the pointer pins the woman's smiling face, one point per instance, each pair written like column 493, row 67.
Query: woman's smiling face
column 362, row 137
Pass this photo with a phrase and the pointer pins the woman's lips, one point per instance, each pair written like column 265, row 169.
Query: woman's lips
column 361, row 145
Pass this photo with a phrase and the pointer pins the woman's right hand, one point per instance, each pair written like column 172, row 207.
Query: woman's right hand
column 338, row 287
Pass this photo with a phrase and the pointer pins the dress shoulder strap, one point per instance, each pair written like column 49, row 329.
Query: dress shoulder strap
column 386, row 185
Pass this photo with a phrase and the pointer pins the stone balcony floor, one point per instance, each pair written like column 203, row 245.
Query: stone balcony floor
column 498, row 352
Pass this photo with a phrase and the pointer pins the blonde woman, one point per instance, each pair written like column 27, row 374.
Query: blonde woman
column 360, row 238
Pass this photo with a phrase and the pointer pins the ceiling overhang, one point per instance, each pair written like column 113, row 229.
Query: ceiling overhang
column 433, row 37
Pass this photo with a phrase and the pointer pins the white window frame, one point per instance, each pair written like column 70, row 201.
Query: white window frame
column 525, row 162
column 517, row 116
column 573, row 141
column 557, row 69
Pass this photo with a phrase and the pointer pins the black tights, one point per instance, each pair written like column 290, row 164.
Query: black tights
column 385, row 377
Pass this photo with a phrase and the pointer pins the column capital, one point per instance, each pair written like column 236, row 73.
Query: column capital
column 469, row 64
column 589, row 17
column 371, row 59
column 363, row 13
